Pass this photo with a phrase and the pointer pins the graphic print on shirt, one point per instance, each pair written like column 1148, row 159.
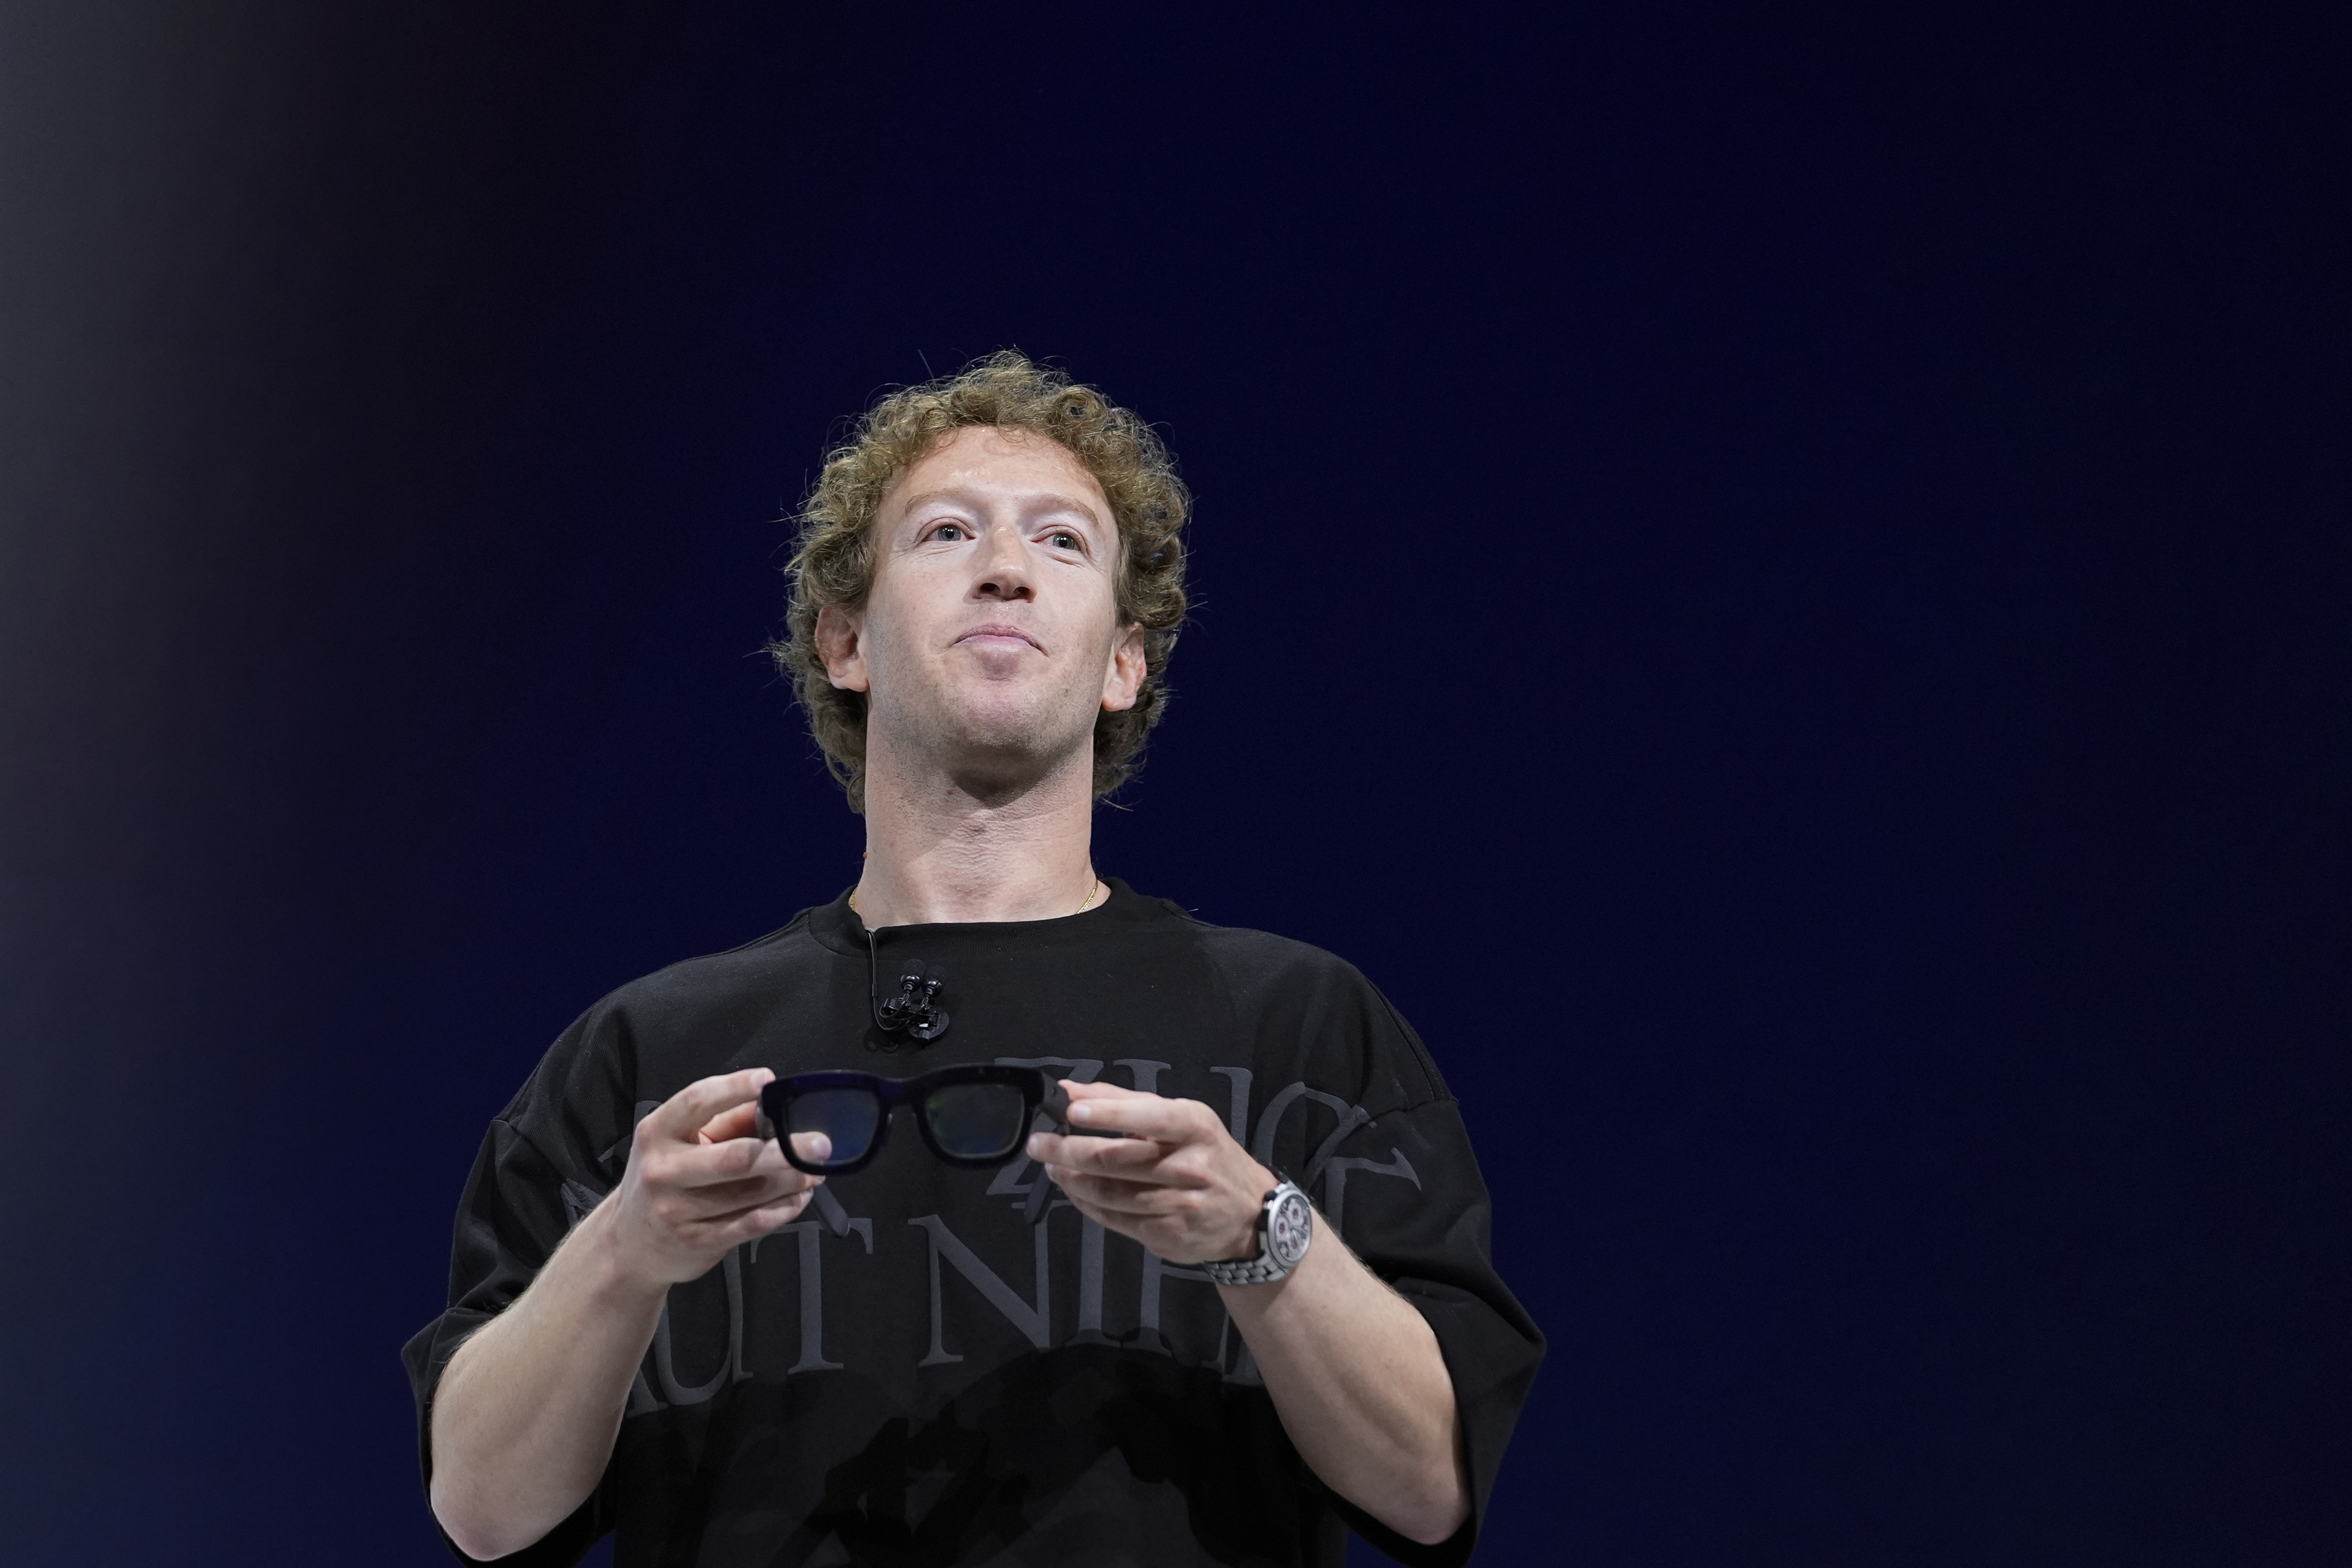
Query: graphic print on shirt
column 1155, row 1306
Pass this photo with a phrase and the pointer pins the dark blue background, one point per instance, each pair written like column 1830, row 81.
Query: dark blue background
column 1778, row 578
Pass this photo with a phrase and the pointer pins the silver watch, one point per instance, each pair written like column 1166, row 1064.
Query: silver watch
column 1285, row 1225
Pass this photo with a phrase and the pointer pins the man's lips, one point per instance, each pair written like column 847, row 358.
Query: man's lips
column 995, row 633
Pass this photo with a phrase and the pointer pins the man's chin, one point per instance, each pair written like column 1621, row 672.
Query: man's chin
column 993, row 742
column 994, row 761
column 996, row 720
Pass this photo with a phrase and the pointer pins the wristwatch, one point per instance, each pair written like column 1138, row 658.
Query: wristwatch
column 1285, row 1225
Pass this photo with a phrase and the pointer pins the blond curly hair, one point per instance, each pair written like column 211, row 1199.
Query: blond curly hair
column 834, row 555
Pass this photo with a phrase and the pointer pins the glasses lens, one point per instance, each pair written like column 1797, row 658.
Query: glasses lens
column 847, row 1116
column 975, row 1121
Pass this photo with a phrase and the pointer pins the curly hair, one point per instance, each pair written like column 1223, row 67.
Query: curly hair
column 834, row 555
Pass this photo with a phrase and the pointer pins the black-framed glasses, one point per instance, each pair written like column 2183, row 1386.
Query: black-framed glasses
column 972, row 1114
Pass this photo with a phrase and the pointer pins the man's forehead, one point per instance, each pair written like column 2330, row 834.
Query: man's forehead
column 986, row 459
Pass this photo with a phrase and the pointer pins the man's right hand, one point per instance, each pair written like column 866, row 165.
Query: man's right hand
column 701, row 1179
column 525, row 1415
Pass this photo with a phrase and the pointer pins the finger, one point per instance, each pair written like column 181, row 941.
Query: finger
column 1100, row 1090
column 759, row 1219
column 692, row 1165
column 702, row 1165
column 1137, row 1161
column 693, row 1218
column 703, row 1199
column 678, row 1118
column 1076, row 1091
column 1133, row 1197
column 1116, row 1110
column 736, row 1122
column 743, row 1122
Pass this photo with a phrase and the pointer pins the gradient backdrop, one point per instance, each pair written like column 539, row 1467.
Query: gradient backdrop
column 1778, row 578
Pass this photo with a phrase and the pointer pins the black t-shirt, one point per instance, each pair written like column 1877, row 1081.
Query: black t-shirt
column 911, row 1374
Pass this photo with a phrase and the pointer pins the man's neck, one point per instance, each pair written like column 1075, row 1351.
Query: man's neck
column 939, row 851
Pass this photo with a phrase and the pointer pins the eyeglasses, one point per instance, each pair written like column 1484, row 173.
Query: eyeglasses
column 975, row 1114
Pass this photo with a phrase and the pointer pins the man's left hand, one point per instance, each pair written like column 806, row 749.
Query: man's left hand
column 1177, row 1183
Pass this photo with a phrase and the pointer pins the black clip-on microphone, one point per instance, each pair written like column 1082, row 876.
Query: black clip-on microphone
column 915, row 1011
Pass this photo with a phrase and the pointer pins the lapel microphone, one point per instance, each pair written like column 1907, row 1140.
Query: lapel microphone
column 914, row 1010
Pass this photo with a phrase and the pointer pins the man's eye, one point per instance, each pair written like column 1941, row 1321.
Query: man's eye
column 1062, row 540
column 950, row 532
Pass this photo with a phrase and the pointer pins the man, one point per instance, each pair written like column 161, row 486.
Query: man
column 659, row 1326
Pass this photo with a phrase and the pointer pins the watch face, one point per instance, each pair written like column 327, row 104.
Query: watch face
column 1288, row 1227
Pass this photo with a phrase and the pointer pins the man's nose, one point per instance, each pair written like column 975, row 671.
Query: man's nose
column 1004, row 565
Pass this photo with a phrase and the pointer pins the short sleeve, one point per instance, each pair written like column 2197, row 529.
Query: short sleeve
column 1411, row 1205
column 516, row 1209
column 1401, row 1186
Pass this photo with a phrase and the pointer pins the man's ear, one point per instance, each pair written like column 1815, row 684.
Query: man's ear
column 1124, row 678
column 841, row 644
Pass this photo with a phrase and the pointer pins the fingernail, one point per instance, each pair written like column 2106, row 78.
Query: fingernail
column 820, row 1146
column 1082, row 1111
column 1035, row 1143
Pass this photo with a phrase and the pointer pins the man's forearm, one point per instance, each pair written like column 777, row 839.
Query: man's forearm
column 1361, row 1386
column 526, row 1411
column 1355, row 1373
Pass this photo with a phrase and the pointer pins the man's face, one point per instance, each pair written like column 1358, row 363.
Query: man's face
column 991, row 638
